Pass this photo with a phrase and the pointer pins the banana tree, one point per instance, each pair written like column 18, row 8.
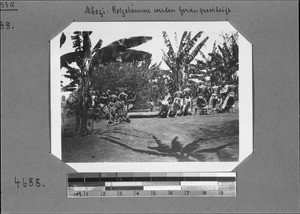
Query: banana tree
column 179, row 62
column 223, row 61
column 87, row 60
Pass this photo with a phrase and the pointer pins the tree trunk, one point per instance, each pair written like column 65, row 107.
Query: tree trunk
column 82, row 109
column 78, row 112
column 84, row 120
column 85, row 107
column 77, row 123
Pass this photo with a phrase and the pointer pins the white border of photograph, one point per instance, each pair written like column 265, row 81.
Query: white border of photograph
column 245, row 98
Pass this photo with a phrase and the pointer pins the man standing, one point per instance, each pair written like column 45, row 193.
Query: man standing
column 123, row 99
column 130, row 100
column 203, row 90
column 165, row 106
column 213, row 97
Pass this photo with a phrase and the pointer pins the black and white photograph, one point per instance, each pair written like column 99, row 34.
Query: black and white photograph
column 150, row 92
column 149, row 106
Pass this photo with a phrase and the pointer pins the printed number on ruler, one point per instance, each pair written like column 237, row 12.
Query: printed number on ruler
column 81, row 193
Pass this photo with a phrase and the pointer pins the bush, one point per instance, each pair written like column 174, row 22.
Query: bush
column 144, row 81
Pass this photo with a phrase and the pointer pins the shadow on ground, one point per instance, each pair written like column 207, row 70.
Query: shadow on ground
column 198, row 139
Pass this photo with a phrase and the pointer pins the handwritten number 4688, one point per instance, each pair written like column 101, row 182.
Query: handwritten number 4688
column 30, row 182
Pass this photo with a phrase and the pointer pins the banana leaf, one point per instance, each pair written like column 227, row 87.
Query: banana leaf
column 71, row 86
column 106, row 54
column 184, row 44
column 235, row 50
column 73, row 74
column 69, row 58
column 118, row 51
column 192, row 42
column 216, row 58
column 77, row 41
column 155, row 66
column 135, row 55
column 222, row 50
column 182, row 41
column 87, row 32
column 227, row 51
column 214, row 49
column 132, row 41
column 203, row 56
column 86, row 47
column 171, row 53
column 62, row 39
column 176, row 40
column 97, row 46
column 168, row 63
column 196, row 51
column 70, row 89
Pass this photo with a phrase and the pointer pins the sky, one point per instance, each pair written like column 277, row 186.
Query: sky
column 112, row 31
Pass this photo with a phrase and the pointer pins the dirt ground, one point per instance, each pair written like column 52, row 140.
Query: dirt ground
column 200, row 138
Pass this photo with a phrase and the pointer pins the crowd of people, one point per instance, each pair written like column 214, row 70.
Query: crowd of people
column 204, row 99
column 207, row 99
column 113, row 106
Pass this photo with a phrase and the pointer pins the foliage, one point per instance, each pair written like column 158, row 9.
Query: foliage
column 222, row 62
column 147, row 82
column 117, row 51
column 88, row 59
column 179, row 62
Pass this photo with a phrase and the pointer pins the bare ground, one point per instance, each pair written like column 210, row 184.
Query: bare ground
column 191, row 138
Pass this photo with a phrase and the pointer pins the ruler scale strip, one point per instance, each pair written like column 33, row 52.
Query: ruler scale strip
column 90, row 185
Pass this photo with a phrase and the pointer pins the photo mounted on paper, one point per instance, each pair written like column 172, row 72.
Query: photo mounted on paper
column 158, row 94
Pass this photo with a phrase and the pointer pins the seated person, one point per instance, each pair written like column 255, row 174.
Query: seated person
column 223, row 90
column 228, row 102
column 219, row 103
column 201, row 104
column 112, row 111
column 177, row 106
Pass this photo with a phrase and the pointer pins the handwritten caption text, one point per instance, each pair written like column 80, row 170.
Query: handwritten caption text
column 124, row 11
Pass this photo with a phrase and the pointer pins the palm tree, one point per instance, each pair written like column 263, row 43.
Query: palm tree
column 88, row 59
column 179, row 62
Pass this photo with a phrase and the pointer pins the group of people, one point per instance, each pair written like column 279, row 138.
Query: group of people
column 216, row 98
column 112, row 105
column 207, row 99
column 177, row 105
